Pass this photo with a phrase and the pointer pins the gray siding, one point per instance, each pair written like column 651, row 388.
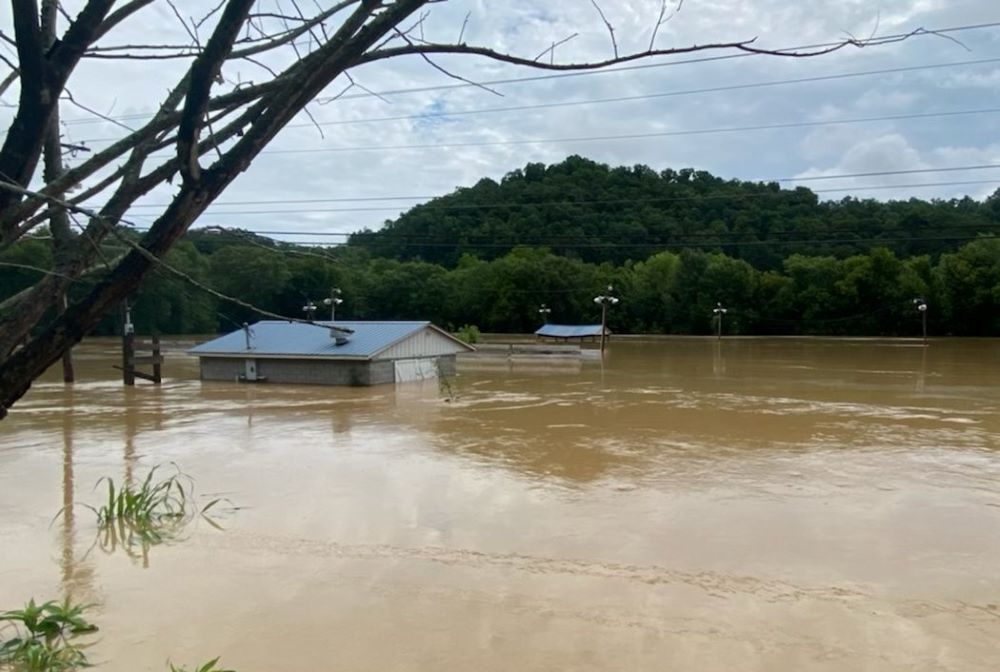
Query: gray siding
column 302, row 372
column 220, row 368
column 312, row 372
column 425, row 343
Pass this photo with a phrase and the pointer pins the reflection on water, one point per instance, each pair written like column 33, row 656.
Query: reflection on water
column 683, row 504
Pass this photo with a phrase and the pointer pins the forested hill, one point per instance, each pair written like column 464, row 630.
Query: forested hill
column 588, row 210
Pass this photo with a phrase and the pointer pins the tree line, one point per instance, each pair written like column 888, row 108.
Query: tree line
column 591, row 211
column 670, row 292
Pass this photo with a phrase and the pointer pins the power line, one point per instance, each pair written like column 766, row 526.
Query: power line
column 631, row 200
column 482, row 240
column 156, row 262
column 619, row 99
column 528, row 204
column 564, row 75
column 630, row 136
column 679, row 244
column 912, row 171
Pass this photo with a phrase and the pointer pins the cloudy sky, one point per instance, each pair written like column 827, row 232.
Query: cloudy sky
column 427, row 134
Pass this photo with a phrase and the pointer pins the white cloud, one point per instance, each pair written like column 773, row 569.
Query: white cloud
column 990, row 79
column 893, row 152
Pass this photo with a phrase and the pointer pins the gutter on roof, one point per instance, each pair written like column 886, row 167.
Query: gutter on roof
column 259, row 355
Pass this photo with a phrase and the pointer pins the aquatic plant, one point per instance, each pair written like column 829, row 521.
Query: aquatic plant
column 44, row 637
column 137, row 518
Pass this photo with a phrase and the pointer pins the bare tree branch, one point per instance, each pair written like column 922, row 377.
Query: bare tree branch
column 68, row 95
column 8, row 80
column 203, row 73
column 184, row 24
column 607, row 24
column 211, row 13
column 44, row 75
column 551, row 51
column 662, row 19
column 448, row 73
column 292, row 35
column 746, row 46
column 465, row 23
column 119, row 15
column 9, row 63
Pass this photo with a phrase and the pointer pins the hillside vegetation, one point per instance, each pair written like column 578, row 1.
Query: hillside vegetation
column 672, row 244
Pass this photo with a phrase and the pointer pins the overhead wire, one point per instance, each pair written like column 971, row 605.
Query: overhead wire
column 634, row 98
column 587, row 73
column 667, row 244
column 665, row 199
column 445, row 144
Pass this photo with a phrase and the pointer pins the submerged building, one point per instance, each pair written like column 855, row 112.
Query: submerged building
column 330, row 353
column 571, row 332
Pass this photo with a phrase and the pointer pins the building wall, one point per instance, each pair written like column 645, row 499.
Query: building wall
column 301, row 372
column 424, row 343
column 220, row 368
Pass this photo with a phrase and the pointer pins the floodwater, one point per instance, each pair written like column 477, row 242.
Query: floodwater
column 688, row 505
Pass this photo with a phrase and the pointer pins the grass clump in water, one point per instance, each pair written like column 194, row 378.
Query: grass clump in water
column 44, row 637
column 152, row 513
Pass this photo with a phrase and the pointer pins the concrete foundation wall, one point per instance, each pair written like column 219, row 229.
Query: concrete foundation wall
column 311, row 372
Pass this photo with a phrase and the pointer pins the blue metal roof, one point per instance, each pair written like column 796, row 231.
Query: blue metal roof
column 285, row 339
column 569, row 330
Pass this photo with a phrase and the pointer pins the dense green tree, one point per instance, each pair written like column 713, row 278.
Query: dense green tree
column 970, row 282
column 739, row 244
column 598, row 213
column 22, row 264
column 253, row 274
column 166, row 304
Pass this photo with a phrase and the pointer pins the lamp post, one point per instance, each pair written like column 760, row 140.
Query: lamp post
column 333, row 301
column 605, row 300
column 310, row 310
column 719, row 311
column 921, row 305
column 544, row 311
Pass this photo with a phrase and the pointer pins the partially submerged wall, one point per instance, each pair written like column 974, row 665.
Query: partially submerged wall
column 311, row 372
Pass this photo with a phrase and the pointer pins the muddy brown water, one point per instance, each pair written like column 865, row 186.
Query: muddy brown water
column 758, row 504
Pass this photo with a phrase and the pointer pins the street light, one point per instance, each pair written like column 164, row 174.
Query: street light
column 333, row 301
column 921, row 305
column 719, row 311
column 544, row 311
column 605, row 300
column 310, row 310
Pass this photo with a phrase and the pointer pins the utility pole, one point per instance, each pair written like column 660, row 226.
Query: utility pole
column 719, row 311
column 59, row 226
column 333, row 301
column 605, row 300
column 128, row 345
column 921, row 305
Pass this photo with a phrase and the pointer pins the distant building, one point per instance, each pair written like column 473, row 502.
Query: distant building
column 571, row 332
column 330, row 353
